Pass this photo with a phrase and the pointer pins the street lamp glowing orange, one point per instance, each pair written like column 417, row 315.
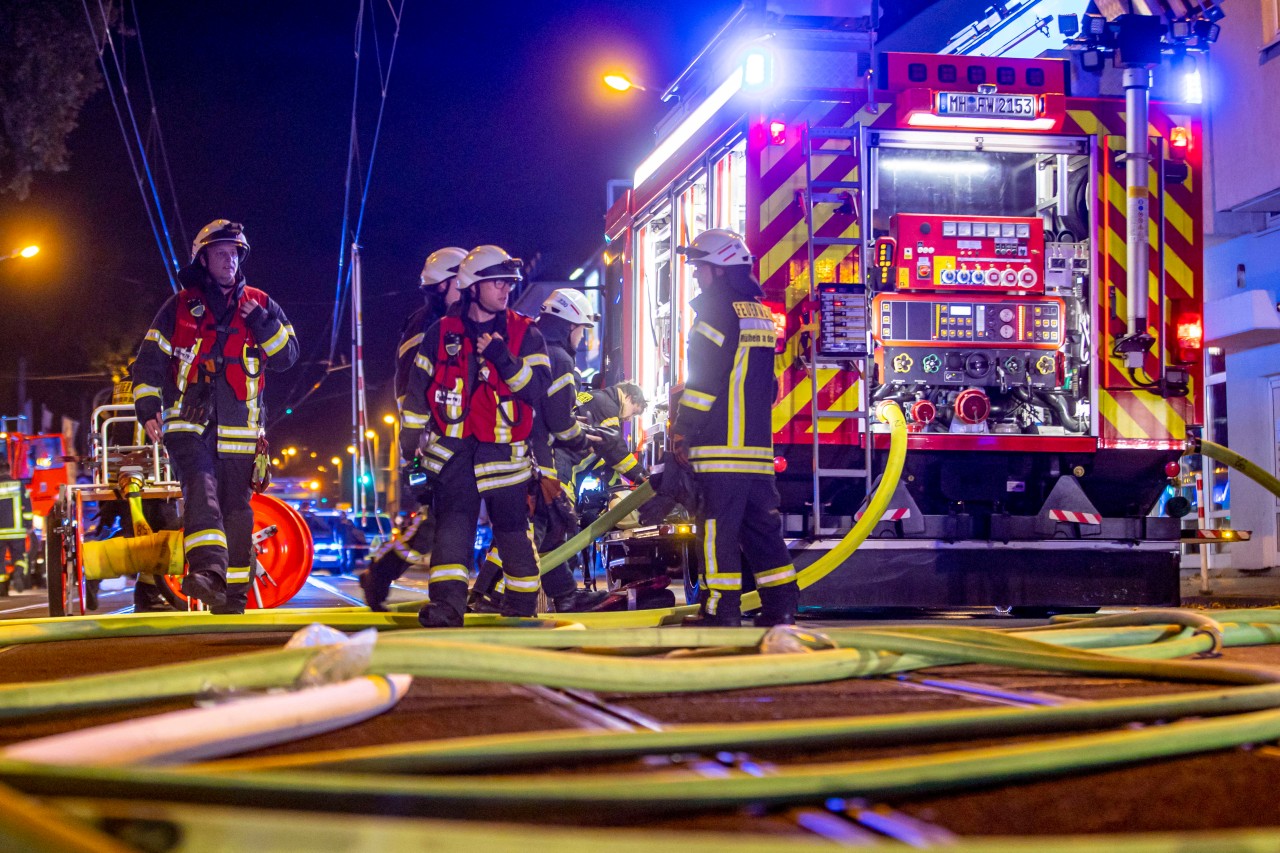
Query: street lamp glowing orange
column 389, row 420
column 335, row 461
column 291, row 451
column 24, row 252
column 620, row 83
column 315, row 485
column 369, row 433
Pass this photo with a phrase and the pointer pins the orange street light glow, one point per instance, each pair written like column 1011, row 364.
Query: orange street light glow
column 389, row 420
column 621, row 84
column 30, row 251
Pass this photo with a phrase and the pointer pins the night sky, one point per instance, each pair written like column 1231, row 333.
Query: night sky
column 497, row 129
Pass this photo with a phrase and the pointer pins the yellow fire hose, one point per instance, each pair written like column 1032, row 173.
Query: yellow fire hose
column 1139, row 645
column 1234, row 460
column 249, row 828
column 1252, row 717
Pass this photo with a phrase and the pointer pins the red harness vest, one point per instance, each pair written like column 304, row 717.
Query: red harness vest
column 196, row 334
column 488, row 411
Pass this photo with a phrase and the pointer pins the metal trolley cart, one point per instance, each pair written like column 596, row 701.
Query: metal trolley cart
column 139, row 474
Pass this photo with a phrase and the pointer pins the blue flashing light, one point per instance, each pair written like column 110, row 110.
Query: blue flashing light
column 757, row 69
column 1193, row 86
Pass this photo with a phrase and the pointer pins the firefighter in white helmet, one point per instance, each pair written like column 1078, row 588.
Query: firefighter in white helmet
column 724, row 432
column 438, row 285
column 197, row 383
column 467, row 415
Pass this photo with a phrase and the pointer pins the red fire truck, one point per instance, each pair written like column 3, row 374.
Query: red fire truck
column 952, row 233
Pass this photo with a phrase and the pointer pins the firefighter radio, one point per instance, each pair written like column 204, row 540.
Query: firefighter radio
column 844, row 320
column 969, row 252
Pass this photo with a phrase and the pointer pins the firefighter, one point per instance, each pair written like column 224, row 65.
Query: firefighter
column 564, row 319
column 197, row 385
column 15, row 509
column 478, row 373
column 604, row 411
column 438, row 285
column 724, row 433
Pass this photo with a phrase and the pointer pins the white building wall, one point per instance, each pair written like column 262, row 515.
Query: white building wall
column 1243, row 167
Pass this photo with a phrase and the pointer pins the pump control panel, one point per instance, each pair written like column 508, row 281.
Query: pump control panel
column 981, row 253
column 935, row 319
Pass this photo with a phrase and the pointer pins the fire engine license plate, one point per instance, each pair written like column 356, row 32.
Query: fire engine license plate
column 977, row 104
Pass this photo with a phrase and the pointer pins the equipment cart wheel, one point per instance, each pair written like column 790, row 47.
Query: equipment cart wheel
column 62, row 570
column 282, row 554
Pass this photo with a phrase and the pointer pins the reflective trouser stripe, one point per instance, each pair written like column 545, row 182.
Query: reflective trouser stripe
column 519, row 584
column 448, row 572
column 201, row 538
column 776, row 577
column 238, row 574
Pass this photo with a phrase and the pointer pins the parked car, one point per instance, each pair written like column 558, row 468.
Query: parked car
column 343, row 542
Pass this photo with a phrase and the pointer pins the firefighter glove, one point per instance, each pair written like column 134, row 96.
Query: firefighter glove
column 680, row 448
column 551, row 489
column 496, row 351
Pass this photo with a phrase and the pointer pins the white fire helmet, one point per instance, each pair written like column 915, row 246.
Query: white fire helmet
column 718, row 247
column 486, row 262
column 442, row 265
column 571, row 305
column 221, row 231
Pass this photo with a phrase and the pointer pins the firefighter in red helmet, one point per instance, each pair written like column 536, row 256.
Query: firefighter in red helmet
column 467, row 417
column 197, row 383
column 725, row 435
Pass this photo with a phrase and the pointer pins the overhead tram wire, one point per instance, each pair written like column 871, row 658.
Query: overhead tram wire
column 159, row 227
column 353, row 150
column 384, row 79
column 159, row 134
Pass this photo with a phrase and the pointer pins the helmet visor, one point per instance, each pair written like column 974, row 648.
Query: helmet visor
column 511, row 268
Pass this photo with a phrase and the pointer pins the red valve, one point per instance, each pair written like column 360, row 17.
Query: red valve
column 972, row 406
column 1172, row 469
column 922, row 413
column 779, row 464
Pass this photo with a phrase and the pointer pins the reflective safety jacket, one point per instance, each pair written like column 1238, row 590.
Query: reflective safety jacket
column 556, row 432
column 14, row 508
column 459, row 393
column 603, row 409
column 199, row 338
column 410, row 338
column 725, row 412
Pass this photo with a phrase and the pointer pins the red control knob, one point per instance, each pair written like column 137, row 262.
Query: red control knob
column 973, row 406
column 1172, row 469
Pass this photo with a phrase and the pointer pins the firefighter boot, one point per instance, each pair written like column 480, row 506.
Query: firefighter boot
column 147, row 598
column 237, row 599
column 778, row 605
column 207, row 585
column 377, row 579
column 447, row 606
column 580, row 601
column 486, row 593
column 728, row 613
